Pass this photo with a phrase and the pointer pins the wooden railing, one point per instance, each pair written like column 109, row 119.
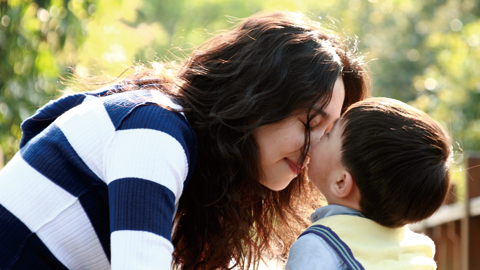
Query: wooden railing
column 455, row 227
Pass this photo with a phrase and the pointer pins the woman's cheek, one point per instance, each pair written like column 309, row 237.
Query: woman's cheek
column 299, row 142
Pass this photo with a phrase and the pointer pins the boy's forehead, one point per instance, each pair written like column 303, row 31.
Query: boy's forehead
column 337, row 123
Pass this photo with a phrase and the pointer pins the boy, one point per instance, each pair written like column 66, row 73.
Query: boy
column 383, row 165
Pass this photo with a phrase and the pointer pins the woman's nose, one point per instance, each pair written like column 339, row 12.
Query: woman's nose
column 315, row 136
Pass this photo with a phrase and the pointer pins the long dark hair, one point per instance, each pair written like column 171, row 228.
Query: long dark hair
column 270, row 66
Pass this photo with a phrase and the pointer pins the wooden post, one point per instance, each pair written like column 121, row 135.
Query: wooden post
column 471, row 224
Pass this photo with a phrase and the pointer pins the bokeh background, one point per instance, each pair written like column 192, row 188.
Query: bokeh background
column 425, row 53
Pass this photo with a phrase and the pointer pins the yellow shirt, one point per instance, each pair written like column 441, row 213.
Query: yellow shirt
column 364, row 244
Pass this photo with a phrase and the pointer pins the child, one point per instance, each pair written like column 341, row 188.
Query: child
column 382, row 166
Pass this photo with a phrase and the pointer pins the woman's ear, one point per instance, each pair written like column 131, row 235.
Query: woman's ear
column 343, row 186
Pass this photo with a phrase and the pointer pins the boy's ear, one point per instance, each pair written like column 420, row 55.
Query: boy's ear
column 343, row 186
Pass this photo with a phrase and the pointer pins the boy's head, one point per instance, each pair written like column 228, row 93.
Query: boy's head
column 386, row 159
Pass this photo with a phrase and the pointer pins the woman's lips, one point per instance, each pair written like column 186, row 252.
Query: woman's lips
column 293, row 166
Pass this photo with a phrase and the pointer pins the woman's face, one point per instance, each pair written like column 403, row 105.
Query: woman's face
column 281, row 144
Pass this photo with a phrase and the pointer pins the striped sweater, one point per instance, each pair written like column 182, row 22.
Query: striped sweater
column 96, row 183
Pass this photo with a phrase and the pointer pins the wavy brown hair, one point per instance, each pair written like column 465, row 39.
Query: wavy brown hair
column 269, row 67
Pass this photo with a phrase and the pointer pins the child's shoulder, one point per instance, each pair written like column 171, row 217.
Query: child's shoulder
column 365, row 242
column 363, row 228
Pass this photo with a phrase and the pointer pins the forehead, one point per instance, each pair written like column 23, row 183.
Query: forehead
column 334, row 106
column 338, row 97
column 338, row 124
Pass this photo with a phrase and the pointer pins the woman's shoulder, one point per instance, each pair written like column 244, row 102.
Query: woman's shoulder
column 153, row 110
column 141, row 108
column 148, row 109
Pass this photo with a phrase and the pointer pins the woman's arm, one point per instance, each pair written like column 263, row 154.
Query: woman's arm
column 146, row 165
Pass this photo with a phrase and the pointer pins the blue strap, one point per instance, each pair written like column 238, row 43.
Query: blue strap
column 337, row 244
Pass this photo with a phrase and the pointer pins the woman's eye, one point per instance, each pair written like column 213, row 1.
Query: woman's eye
column 314, row 122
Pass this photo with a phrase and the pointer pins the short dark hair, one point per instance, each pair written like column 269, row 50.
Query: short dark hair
column 399, row 157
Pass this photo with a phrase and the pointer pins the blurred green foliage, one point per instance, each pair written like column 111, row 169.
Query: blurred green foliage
column 425, row 53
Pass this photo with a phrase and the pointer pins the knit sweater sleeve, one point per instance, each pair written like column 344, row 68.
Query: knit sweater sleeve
column 146, row 165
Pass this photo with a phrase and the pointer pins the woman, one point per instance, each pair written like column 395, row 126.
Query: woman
column 100, row 176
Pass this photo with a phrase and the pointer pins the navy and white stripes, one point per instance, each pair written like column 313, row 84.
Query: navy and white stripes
column 96, row 183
